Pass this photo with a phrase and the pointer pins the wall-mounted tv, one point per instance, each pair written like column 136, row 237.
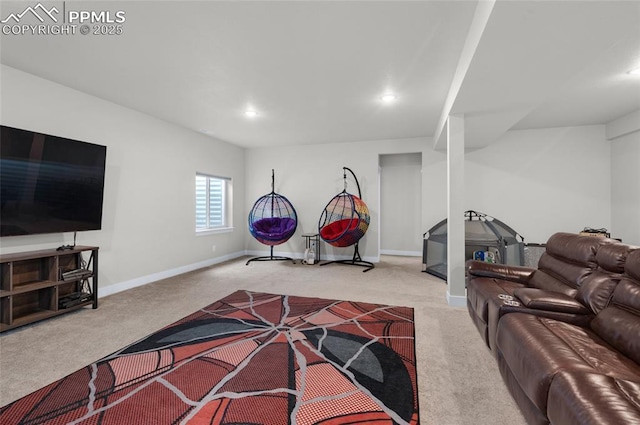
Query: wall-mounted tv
column 49, row 184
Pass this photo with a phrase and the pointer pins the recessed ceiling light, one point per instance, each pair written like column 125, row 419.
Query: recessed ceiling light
column 388, row 97
column 635, row 71
column 251, row 113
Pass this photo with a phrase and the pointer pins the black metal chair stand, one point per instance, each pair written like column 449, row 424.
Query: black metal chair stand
column 355, row 261
column 271, row 257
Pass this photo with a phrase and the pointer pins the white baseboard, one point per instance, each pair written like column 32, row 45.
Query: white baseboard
column 401, row 253
column 456, row 300
column 143, row 280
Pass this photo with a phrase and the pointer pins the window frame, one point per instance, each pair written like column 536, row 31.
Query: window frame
column 227, row 205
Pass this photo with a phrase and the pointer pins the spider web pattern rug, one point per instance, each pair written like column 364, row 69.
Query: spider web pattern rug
column 250, row 358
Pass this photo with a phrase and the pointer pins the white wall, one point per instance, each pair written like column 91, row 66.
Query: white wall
column 625, row 188
column 434, row 188
column 309, row 176
column 401, row 204
column 148, row 217
column 543, row 181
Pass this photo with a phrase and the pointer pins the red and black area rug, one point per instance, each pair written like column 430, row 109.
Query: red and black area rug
column 250, row 358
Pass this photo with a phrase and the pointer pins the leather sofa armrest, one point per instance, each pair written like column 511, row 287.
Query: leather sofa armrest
column 539, row 299
column 581, row 320
column 499, row 271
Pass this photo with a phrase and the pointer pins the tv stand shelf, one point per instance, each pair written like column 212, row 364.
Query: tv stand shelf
column 32, row 287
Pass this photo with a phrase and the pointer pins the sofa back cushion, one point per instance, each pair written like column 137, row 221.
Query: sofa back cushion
column 597, row 288
column 632, row 265
column 567, row 261
column 619, row 322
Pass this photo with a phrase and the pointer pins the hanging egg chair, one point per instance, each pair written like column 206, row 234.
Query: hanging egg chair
column 344, row 221
column 272, row 221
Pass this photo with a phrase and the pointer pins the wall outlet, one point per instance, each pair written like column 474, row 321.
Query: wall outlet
column 213, row 248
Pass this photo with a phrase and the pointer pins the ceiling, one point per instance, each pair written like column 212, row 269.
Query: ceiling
column 315, row 71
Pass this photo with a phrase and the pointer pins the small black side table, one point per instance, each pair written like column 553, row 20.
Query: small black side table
column 312, row 242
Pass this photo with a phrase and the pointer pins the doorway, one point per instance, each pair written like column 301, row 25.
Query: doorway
column 401, row 204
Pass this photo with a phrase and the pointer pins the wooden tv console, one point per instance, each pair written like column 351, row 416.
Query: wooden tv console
column 37, row 285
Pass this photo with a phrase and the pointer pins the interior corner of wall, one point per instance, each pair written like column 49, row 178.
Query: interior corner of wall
column 623, row 126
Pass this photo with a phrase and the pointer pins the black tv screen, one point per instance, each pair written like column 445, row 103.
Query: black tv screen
column 49, row 184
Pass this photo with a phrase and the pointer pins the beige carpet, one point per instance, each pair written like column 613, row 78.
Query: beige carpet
column 458, row 379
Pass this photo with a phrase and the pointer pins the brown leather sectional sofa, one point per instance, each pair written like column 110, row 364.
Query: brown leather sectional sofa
column 566, row 335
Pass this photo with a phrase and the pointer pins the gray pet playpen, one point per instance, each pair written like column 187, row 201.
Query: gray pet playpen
column 483, row 233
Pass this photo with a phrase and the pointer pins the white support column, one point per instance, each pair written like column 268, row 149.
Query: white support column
column 456, row 292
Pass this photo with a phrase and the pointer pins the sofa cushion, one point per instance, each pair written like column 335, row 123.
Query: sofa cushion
column 273, row 230
column 619, row 323
column 597, row 288
column 536, row 348
column 632, row 265
column 335, row 230
column 548, row 282
column 509, row 272
column 567, row 261
column 574, row 248
column 613, row 257
column 590, row 399
column 540, row 299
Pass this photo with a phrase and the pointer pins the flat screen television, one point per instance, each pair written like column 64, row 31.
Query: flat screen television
column 49, row 184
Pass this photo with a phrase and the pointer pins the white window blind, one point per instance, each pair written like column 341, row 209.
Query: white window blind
column 212, row 202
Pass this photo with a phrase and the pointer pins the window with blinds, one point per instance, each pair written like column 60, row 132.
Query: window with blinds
column 212, row 202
